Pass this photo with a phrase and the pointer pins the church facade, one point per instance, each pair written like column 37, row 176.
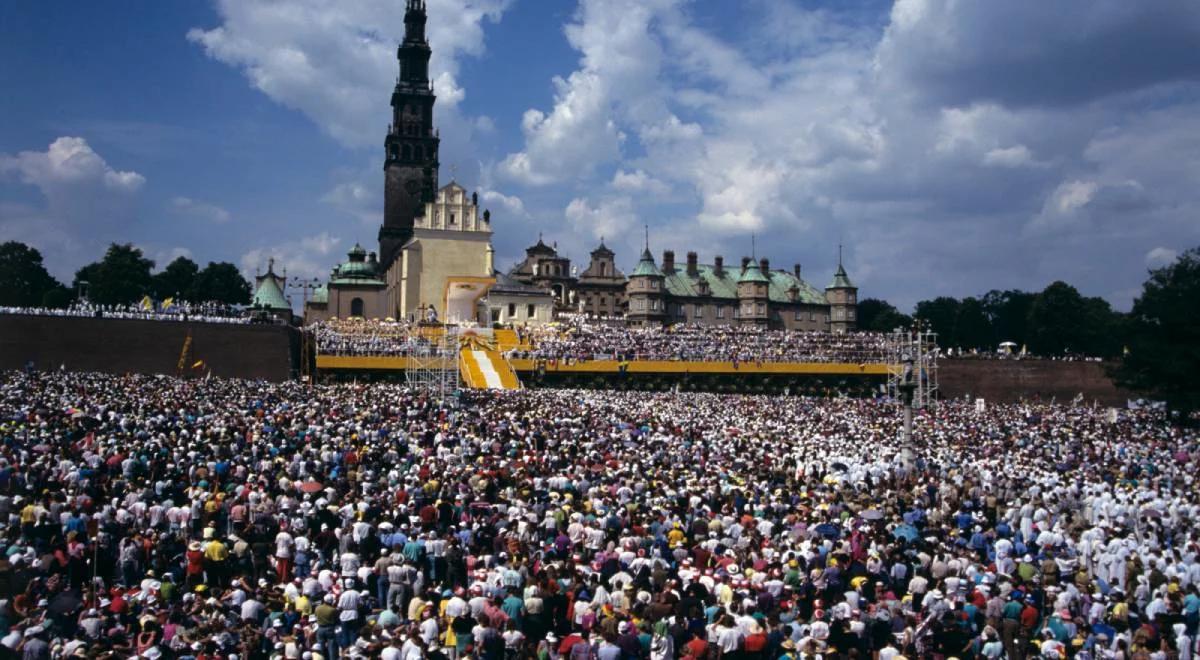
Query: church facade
column 436, row 261
column 435, row 258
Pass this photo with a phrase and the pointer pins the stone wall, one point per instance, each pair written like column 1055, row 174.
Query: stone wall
column 269, row 352
column 1006, row 381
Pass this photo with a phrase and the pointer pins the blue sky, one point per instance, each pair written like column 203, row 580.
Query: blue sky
column 953, row 147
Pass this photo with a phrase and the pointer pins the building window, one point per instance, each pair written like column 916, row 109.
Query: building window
column 653, row 284
column 451, row 218
column 799, row 315
column 699, row 311
column 812, row 316
column 356, row 307
column 762, row 308
column 850, row 314
column 720, row 311
column 512, row 310
column 530, row 312
column 654, row 305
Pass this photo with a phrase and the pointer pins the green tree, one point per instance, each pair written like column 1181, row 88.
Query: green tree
column 972, row 329
column 122, row 276
column 221, row 282
column 1063, row 321
column 880, row 316
column 1055, row 320
column 58, row 297
column 1008, row 313
column 1164, row 336
column 24, row 281
column 941, row 314
column 177, row 280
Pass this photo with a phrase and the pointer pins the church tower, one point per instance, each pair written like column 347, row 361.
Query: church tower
column 410, row 163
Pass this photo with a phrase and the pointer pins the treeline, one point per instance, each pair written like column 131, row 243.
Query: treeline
column 122, row 276
column 1157, row 344
column 1056, row 321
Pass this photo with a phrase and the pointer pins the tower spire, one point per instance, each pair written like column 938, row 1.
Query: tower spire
column 647, row 228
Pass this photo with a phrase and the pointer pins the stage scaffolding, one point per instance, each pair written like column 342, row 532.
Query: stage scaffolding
column 912, row 364
column 433, row 366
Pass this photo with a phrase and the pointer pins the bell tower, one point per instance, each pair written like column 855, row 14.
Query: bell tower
column 410, row 163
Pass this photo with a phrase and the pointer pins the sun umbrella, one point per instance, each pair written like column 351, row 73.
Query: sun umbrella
column 871, row 514
column 840, row 467
column 828, row 530
column 311, row 487
column 65, row 603
column 906, row 532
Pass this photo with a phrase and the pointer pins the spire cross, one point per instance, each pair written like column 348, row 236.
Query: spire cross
column 839, row 254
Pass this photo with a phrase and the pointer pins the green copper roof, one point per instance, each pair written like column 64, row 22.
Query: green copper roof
column 753, row 274
column 646, row 267
column 268, row 295
column 357, row 281
column 840, row 279
column 679, row 283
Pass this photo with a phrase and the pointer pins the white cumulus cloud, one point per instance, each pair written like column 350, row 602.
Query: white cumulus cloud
column 333, row 60
column 191, row 208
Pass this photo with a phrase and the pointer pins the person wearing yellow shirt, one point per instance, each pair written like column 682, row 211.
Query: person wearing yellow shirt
column 303, row 604
column 216, row 557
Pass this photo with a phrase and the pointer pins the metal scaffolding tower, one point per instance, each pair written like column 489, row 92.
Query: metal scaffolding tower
column 433, row 366
column 912, row 362
column 912, row 377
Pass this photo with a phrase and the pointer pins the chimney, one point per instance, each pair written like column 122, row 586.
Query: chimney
column 668, row 261
column 765, row 265
column 719, row 265
column 745, row 263
column 693, row 266
column 796, row 270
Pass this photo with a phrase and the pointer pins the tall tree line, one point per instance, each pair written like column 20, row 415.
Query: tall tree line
column 123, row 275
column 1055, row 321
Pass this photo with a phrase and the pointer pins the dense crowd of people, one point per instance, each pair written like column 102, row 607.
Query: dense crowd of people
column 208, row 312
column 163, row 518
column 366, row 337
column 579, row 339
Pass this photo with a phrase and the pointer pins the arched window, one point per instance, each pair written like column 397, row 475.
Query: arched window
column 407, row 152
column 356, row 307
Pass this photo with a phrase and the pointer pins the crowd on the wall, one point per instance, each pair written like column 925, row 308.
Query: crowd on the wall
column 162, row 518
column 366, row 337
column 204, row 312
column 580, row 339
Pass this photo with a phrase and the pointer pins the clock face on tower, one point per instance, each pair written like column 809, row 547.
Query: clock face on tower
column 412, row 186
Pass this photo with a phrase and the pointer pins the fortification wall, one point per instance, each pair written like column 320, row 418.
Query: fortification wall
column 268, row 352
column 1007, row 381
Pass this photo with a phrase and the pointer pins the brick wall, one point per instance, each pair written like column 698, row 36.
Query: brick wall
column 1006, row 381
column 267, row 352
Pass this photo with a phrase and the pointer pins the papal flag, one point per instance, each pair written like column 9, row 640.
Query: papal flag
column 167, row 302
column 147, row 304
